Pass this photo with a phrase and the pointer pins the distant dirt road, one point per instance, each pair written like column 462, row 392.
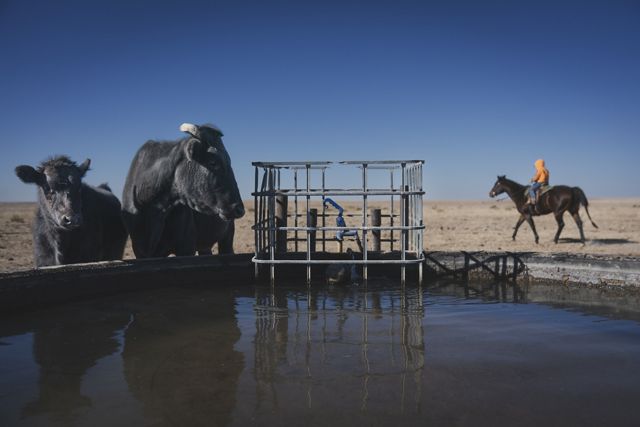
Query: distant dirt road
column 450, row 225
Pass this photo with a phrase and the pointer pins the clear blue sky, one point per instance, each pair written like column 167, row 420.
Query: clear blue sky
column 475, row 88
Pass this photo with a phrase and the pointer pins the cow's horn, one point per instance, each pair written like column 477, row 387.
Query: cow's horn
column 189, row 128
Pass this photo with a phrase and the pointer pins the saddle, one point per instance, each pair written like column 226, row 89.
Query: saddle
column 542, row 190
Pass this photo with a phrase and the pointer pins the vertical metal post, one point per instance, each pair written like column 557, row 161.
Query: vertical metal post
column 308, row 166
column 263, row 210
column 324, row 211
column 260, row 208
column 295, row 204
column 256, row 224
column 410, row 208
column 272, row 225
column 364, row 223
column 391, row 217
column 421, row 217
column 403, row 254
column 406, row 218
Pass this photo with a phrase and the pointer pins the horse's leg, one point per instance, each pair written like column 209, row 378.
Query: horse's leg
column 560, row 222
column 518, row 224
column 578, row 220
column 529, row 219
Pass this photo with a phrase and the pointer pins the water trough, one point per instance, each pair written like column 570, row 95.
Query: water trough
column 35, row 288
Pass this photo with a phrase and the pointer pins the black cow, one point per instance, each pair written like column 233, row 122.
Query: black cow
column 74, row 222
column 168, row 181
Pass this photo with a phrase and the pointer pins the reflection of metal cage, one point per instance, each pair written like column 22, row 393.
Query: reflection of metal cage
column 405, row 229
column 303, row 338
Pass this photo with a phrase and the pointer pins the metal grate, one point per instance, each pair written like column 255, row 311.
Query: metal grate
column 279, row 183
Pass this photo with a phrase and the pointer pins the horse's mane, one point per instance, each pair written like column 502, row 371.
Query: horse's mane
column 510, row 181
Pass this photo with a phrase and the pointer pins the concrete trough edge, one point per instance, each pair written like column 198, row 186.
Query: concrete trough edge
column 584, row 270
column 560, row 267
column 35, row 288
column 28, row 289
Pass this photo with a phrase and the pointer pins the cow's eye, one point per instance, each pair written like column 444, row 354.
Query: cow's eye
column 212, row 160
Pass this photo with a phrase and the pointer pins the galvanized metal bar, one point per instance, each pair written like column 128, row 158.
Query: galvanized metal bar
column 410, row 208
column 421, row 232
column 340, row 261
column 295, row 203
column 415, row 208
column 379, row 162
column 308, row 232
column 336, row 228
column 255, row 221
column 391, row 216
column 272, row 226
column 364, row 222
column 403, row 255
column 263, row 186
column 324, row 211
column 350, row 192
column 302, row 164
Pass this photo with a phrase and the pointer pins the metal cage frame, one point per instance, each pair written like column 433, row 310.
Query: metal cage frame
column 409, row 194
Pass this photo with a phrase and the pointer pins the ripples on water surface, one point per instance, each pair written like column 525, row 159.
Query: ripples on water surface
column 321, row 356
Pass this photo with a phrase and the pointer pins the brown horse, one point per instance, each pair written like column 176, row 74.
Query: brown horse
column 557, row 200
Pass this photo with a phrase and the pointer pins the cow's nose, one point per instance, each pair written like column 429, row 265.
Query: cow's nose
column 238, row 210
column 76, row 219
column 71, row 220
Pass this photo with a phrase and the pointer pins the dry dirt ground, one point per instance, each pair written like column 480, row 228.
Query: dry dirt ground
column 450, row 225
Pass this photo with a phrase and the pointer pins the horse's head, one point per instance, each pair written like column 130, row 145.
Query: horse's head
column 498, row 187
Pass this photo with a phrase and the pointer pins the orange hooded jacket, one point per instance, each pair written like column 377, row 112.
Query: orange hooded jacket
column 542, row 174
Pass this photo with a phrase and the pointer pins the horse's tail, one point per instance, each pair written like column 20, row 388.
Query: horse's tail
column 583, row 200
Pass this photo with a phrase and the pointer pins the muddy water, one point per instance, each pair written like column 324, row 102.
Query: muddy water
column 446, row 355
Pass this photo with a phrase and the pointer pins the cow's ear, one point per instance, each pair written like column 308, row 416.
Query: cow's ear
column 29, row 175
column 84, row 167
column 192, row 150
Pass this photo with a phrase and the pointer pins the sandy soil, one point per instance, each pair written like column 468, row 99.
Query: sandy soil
column 450, row 225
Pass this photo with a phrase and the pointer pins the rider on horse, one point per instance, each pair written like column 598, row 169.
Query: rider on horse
column 541, row 178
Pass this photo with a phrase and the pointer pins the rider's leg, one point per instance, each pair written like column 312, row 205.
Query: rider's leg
column 533, row 192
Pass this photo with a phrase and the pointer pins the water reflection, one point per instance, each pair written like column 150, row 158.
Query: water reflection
column 64, row 349
column 360, row 346
column 502, row 291
column 290, row 355
column 179, row 358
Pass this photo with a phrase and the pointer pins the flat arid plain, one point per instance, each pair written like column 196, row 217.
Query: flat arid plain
column 450, row 226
